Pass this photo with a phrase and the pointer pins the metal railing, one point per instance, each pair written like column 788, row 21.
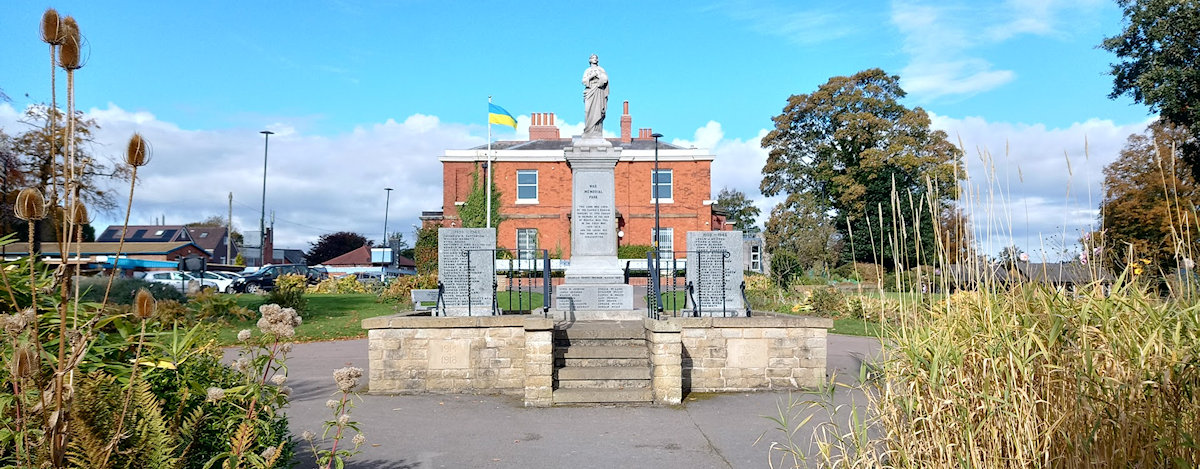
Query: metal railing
column 669, row 295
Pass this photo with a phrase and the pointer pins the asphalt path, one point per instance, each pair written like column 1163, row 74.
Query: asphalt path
column 731, row 430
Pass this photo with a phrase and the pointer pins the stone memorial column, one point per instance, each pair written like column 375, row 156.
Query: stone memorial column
column 594, row 286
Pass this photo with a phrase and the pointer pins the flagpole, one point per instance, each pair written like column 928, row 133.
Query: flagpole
column 488, row 214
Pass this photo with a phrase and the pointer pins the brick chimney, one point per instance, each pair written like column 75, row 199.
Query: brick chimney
column 542, row 127
column 645, row 134
column 626, row 125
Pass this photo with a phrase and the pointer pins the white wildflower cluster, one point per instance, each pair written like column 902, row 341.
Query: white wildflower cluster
column 244, row 366
column 268, row 453
column 347, row 378
column 307, row 435
column 285, row 390
column 286, row 348
column 343, row 420
column 278, row 380
column 243, row 335
column 215, row 394
column 278, row 321
column 332, row 403
column 359, row 439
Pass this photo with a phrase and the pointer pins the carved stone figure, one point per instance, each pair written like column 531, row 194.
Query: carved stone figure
column 595, row 99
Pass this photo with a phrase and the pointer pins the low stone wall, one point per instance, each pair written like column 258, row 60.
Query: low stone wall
column 456, row 354
column 514, row 355
column 756, row 353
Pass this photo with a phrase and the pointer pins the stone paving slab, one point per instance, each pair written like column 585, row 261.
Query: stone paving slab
column 435, row 431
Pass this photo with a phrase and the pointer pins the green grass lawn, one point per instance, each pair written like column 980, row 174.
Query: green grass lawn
column 327, row 316
column 849, row 326
column 519, row 301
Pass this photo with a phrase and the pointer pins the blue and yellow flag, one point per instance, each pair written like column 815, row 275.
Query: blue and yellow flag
column 497, row 115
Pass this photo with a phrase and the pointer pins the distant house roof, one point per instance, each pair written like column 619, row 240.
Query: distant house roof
column 357, row 257
column 1070, row 273
column 561, row 143
column 101, row 249
column 361, row 257
column 287, row 256
column 207, row 237
column 145, row 234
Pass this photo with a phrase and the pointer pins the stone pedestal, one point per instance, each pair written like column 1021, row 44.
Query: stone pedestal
column 594, row 286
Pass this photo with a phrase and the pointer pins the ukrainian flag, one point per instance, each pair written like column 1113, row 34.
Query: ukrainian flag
column 497, row 115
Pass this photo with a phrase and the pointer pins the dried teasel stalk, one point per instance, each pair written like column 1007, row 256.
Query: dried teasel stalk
column 30, row 205
column 52, row 29
column 144, row 304
column 137, row 154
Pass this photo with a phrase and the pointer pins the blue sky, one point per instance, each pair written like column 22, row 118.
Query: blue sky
column 366, row 95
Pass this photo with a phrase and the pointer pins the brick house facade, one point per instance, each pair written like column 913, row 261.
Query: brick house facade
column 534, row 181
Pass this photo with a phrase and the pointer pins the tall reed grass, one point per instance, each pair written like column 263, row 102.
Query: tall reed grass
column 1018, row 373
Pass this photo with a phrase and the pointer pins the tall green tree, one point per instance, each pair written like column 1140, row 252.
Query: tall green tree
column 1150, row 198
column 877, row 164
column 740, row 208
column 1159, row 53
column 800, row 227
column 473, row 212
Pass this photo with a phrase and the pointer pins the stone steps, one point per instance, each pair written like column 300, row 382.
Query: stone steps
column 598, row 362
column 603, row 396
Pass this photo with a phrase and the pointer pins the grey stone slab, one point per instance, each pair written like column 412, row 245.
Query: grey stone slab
column 715, row 270
column 591, row 297
column 467, row 269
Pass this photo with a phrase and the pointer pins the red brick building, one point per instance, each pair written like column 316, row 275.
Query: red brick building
column 534, row 181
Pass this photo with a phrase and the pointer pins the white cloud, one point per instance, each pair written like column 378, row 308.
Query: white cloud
column 942, row 40
column 804, row 28
column 738, row 164
column 1033, row 186
column 315, row 184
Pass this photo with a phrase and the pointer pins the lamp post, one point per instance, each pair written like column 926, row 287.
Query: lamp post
column 386, row 242
column 262, row 218
column 657, row 227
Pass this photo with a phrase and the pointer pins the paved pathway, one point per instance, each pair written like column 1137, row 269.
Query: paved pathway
column 461, row 431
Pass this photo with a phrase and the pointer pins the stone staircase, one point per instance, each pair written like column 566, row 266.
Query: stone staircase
column 601, row 362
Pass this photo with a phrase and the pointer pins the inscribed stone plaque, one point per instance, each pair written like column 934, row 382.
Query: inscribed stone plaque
column 593, row 213
column 593, row 297
column 714, row 268
column 449, row 354
column 746, row 353
column 467, row 269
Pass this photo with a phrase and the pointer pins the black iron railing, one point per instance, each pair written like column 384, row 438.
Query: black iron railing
column 523, row 277
column 670, row 293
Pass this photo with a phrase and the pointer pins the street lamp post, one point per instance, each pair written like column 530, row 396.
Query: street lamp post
column 386, row 242
column 657, row 228
column 262, row 218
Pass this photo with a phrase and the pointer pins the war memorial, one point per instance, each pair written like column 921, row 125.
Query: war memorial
column 590, row 344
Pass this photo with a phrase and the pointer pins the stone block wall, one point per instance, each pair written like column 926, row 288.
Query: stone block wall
column 755, row 353
column 453, row 354
column 663, row 339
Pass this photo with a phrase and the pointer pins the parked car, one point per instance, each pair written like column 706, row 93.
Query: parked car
column 224, row 284
column 264, row 279
column 176, row 279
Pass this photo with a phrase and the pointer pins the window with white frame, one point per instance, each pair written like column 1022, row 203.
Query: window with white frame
column 527, row 243
column 755, row 259
column 666, row 242
column 527, row 186
column 660, row 185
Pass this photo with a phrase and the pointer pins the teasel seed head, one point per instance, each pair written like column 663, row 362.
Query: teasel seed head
column 77, row 214
column 72, row 44
column 24, row 361
column 138, row 153
column 144, row 304
column 51, row 27
column 30, row 205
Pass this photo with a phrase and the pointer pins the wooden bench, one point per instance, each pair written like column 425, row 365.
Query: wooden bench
column 424, row 300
